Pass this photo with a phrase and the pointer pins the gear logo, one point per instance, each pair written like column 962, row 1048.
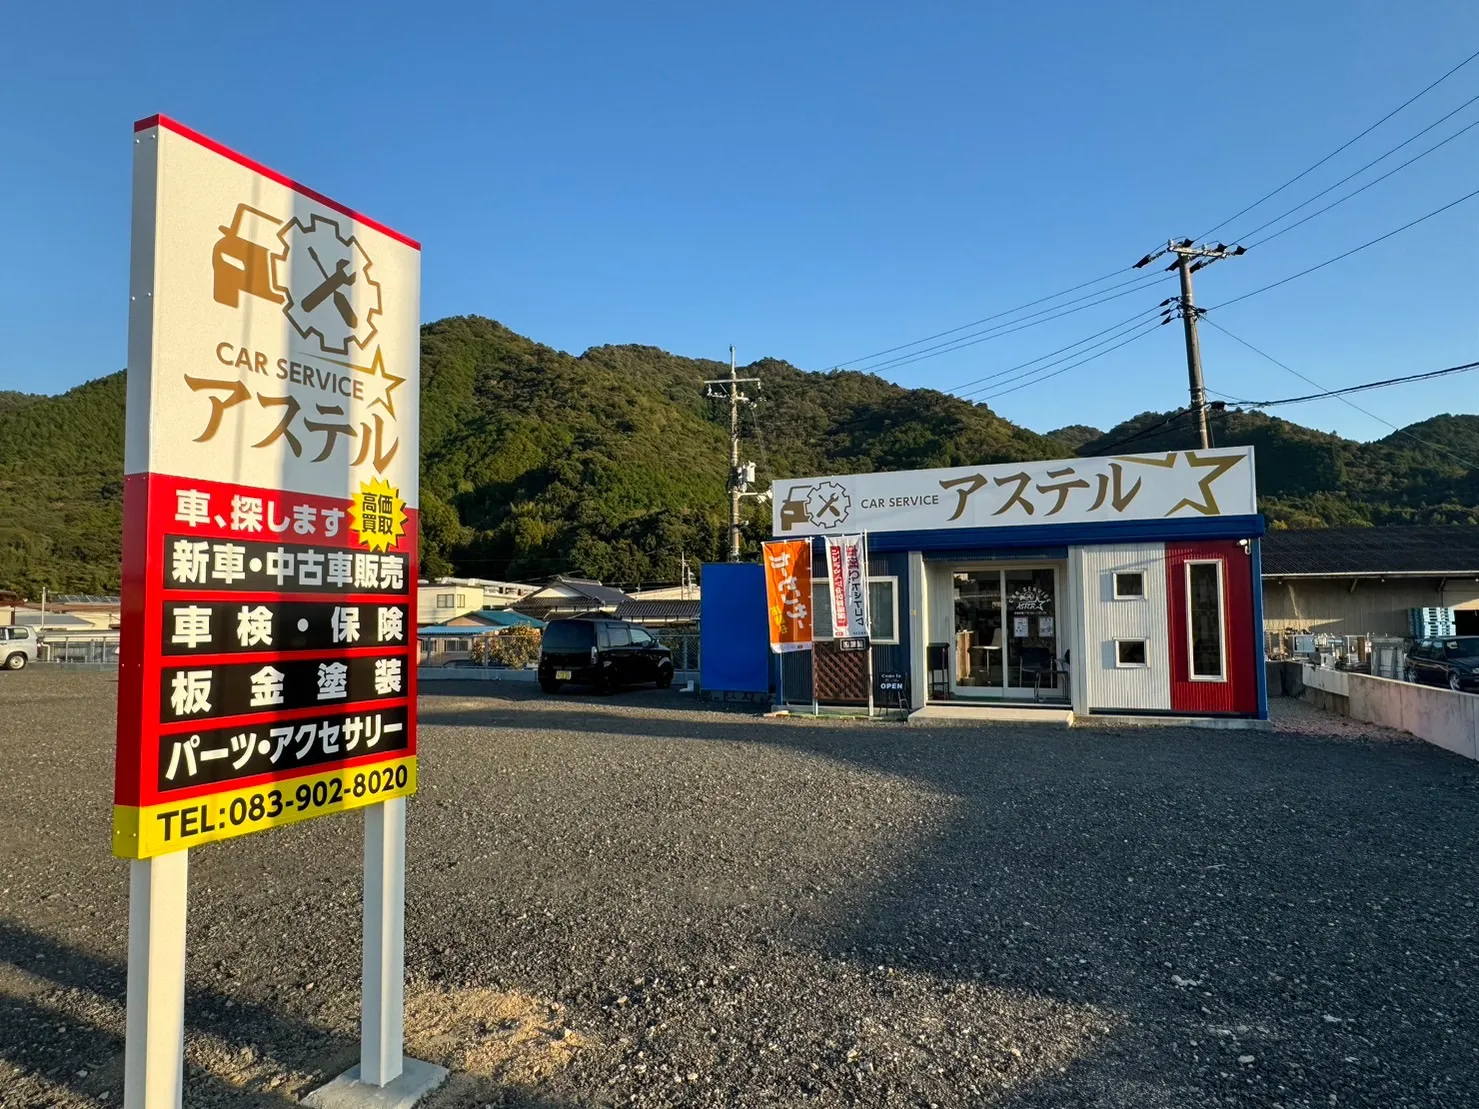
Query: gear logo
column 325, row 283
column 824, row 506
column 828, row 504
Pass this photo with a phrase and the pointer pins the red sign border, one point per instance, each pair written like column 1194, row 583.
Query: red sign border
column 282, row 179
column 148, row 502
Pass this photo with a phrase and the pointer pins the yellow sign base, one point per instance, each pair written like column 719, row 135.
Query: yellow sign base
column 141, row 833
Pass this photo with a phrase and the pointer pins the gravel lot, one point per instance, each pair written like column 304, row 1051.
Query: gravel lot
column 628, row 901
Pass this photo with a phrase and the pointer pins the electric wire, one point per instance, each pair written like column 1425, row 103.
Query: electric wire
column 855, row 363
column 1353, row 192
column 907, row 359
column 1346, row 254
column 1339, row 394
column 1350, row 142
column 1011, row 328
column 1118, row 331
column 1179, row 414
column 1073, row 366
column 959, row 389
column 1367, row 386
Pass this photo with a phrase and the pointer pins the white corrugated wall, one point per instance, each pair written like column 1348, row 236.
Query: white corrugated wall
column 1108, row 685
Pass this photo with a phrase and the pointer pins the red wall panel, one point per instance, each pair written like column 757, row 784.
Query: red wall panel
column 1239, row 692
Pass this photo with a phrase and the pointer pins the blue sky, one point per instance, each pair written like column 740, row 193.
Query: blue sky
column 812, row 182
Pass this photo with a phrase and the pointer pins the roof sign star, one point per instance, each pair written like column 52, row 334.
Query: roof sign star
column 379, row 383
column 1218, row 466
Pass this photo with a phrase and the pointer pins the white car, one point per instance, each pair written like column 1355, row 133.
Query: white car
column 17, row 647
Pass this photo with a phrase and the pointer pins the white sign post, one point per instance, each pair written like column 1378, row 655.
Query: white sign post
column 267, row 659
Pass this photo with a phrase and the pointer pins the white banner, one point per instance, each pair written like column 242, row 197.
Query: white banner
column 848, row 582
column 1177, row 484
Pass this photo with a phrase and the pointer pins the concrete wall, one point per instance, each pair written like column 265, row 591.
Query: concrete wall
column 1107, row 684
column 1373, row 607
column 1442, row 717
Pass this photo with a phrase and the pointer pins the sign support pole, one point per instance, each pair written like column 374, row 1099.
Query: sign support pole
column 154, row 1045
column 384, row 1077
column 868, row 619
column 382, row 1001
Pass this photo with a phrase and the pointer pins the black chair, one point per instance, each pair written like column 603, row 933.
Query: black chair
column 1031, row 660
column 1052, row 669
column 937, row 661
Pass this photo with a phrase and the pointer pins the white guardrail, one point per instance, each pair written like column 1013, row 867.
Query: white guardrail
column 1442, row 717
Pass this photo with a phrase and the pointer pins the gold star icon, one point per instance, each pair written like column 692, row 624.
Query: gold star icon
column 1219, row 465
column 379, row 382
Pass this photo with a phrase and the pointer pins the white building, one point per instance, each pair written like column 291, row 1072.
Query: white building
column 445, row 599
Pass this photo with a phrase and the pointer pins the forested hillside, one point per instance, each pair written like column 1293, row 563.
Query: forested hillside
column 612, row 463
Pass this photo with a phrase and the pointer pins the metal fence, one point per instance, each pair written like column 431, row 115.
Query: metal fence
column 103, row 651
column 683, row 644
column 79, row 650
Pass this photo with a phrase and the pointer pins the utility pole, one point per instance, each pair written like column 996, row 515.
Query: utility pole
column 740, row 477
column 1186, row 308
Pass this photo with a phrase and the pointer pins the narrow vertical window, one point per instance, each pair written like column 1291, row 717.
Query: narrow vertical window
column 1205, row 620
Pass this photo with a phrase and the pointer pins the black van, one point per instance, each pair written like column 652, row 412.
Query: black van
column 602, row 653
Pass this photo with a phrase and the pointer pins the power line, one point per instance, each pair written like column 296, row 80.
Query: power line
column 1119, row 331
column 1343, row 146
column 997, row 332
column 1363, row 188
column 1339, row 394
column 959, row 389
column 1179, row 414
column 1405, row 379
column 1073, row 366
column 854, row 362
column 1346, row 254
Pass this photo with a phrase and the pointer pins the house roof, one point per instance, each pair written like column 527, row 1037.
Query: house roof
column 486, row 622
column 666, row 593
column 585, row 587
column 1442, row 550
column 505, row 618
column 564, row 594
column 649, row 609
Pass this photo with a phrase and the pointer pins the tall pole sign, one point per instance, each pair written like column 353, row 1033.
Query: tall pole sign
column 267, row 666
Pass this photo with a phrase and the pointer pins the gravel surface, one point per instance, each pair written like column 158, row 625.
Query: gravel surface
column 630, row 901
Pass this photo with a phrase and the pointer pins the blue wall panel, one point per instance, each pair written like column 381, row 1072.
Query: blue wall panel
column 734, row 636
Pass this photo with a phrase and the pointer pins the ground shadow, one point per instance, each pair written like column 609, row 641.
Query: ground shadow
column 87, row 1059
column 1272, row 916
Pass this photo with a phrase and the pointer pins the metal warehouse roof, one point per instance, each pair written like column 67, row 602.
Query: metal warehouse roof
column 1442, row 550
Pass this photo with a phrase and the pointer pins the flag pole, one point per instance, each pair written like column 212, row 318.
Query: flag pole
column 868, row 618
column 811, row 550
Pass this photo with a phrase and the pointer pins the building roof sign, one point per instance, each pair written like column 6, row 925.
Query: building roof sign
column 1170, row 485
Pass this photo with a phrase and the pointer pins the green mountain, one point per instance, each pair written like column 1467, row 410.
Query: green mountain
column 612, row 463
column 10, row 399
column 1074, row 436
column 1308, row 478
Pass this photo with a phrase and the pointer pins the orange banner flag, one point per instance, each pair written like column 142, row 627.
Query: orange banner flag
column 788, row 593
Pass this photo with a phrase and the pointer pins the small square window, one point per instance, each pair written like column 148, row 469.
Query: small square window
column 1130, row 652
column 1129, row 585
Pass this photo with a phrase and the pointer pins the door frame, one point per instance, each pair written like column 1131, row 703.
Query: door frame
column 1005, row 691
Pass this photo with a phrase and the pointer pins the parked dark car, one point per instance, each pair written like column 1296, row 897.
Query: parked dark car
column 1448, row 662
column 603, row 654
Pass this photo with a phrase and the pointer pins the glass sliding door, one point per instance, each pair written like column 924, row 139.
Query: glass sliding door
column 1006, row 633
column 1032, row 632
column 979, row 635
